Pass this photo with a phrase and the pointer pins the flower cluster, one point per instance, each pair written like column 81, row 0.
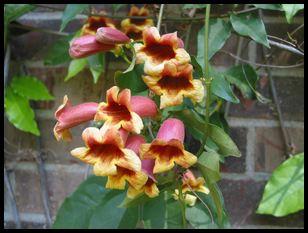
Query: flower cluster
column 167, row 69
column 118, row 149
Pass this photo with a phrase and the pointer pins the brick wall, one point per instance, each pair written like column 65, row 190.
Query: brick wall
column 254, row 127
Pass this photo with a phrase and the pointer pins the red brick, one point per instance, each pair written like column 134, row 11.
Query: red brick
column 269, row 151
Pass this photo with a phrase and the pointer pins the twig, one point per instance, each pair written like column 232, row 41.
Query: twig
column 259, row 64
column 286, row 47
column 161, row 10
column 287, row 142
column 30, row 28
column 12, row 198
column 150, row 130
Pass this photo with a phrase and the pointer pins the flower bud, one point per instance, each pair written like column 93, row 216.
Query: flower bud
column 87, row 45
column 110, row 36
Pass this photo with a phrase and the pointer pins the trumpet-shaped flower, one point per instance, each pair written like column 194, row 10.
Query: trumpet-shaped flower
column 147, row 165
column 159, row 50
column 173, row 83
column 133, row 28
column 191, row 183
column 105, row 150
column 69, row 116
column 122, row 110
column 87, row 45
column 168, row 147
column 95, row 22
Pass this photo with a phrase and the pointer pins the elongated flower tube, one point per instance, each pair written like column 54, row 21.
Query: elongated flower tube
column 95, row 22
column 133, row 28
column 69, row 116
column 147, row 165
column 105, row 150
column 118, row 111
column 168, row 147
column 87, row 45
column 110, row 36
column 191, row 183
column 159, row 50
column 173, row 83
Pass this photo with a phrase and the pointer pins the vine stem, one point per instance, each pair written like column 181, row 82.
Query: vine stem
column 208, row 79
column 183, row 207
column 160, row 16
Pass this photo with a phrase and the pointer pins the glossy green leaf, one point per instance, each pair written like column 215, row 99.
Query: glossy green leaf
column 58, row 52
column 284, row 191
column 237, row 76
column 154, row 212
column 19, row 112
column 14, row 11
column 291, row 10
column 140, row 199
column 71, row 10
column 218, row 118
column 189, row 6
column 75, row 66
column 131, row 79
column 196, row 126
column 269, row 6
column 251, row 25
column 97, row 65
column 209, row 160
column 219, row 32
column 173, row 214
column 93, row 206
column 221, row 87
column 30, row 88
column 199, row 215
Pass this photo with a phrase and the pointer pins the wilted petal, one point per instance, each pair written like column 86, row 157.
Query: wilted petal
column 87, row 45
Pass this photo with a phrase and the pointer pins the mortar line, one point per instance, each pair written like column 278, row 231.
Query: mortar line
column 250, row 148
column 26, row 217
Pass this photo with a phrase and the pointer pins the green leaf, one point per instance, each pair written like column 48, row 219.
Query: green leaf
column 218, row 118
column 14, row 11
column 226, row 145
column 173, row 214
column 75, row 66
column 117, row 7
column 196, row 126
column 284, row 192
column 154, row 212
column 237, row 76
column 269, row 6
column 189, row 6
column 251, row 25
column 221, row 87
column 209, row 160
column 58, row 52
column 199, row 216
column 219, row 32
column 97, row 65
column 131, row 79
column 71, row 10
column 291, row 10
column 93, row 206
column 30, row 88
column 140, row 199
column 19, row 112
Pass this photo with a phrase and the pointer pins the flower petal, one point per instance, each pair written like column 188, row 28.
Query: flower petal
column 130, row 160
column 162, row 165
column 91, row 136
column 187, row 160
column 143, row 106
column 171, row 129
column 104, row 169
column 115, row 182
column 133, row 142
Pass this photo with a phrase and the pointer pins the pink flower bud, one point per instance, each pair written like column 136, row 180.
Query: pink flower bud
column 87, row 45
column 134, row 142
column 143, row 106
column 171, row 129
column 108, row 35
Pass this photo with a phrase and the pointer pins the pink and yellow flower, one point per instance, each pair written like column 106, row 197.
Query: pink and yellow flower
column 158, row 50
column 95, row 22
column 147, row 165
column 168, row 147
column 106, row 152
column 122, row 110
column 133, row 28
column 173, row 83
column 191, row 183
column 69, row 116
